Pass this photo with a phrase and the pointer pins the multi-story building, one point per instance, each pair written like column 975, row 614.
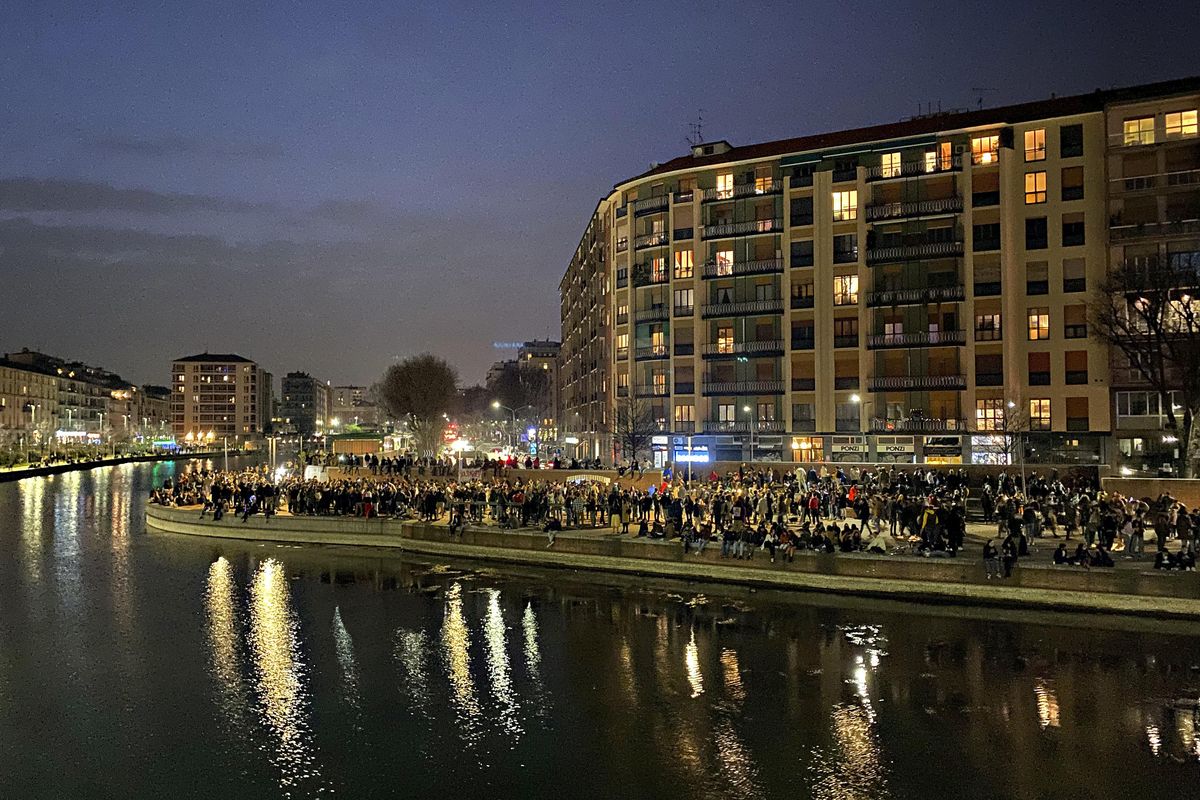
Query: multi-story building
column 304, row 404
column 218, row 396
column 584, row 359
column 908, row 292
column 543, row 355
column 351, row 405
column 28, row 404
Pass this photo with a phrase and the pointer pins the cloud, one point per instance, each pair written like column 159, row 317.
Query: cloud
column 174, row 145
column 34, row 194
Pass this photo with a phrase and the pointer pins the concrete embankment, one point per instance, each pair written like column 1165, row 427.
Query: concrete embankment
column 960, row 581
column 59, row 469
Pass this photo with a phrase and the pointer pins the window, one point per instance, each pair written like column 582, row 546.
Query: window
column 802, row 253
column 727, row 412
column 1072, row 230
column 658, row 269
column 622, row 345
column 1035, row 187
column 622, row 312
column 845, row 206
column 987, row 327
column 889, row 165
column 1039, row 369
column 724, row 262
column 802, row 211
column 989, row 414
column 845, row 332
column 986, row 236
column 622, row 381
column 766, row 412
column 725, row 340
column 1070, row 141
column 845, row 248
column 1035, row 145
column 1074, row 275
column 1039, row 324
column 985, row 149
column 685, row 412
column 1180, row 123
column 845, row 290
column 763, row 182
column 1072, row 183
column 683, row 301
column 724, row 185
column 683, row 264
column 1139, row 130
column 939, row 159
column 1039, row 414
column 1035, row 234
column 764, row 291
column 659, row 381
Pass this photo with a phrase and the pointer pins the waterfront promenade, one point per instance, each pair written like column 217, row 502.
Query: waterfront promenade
column 18, row 473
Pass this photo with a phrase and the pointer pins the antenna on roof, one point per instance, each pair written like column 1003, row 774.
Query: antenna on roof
column 697, row 130
column 978, row 92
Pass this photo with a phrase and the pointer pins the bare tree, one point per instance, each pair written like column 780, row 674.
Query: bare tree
column 633, row 427
column 420, row 390
column 1148, row 311
column 522, row 385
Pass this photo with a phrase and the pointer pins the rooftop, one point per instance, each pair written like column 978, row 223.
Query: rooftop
column 210, row 358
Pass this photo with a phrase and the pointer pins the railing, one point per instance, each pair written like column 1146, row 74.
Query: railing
column 803, row 342
column 741, row 426
column 930, row 294
column 800, row 181
column 622, row 211
column 644, row 276
column 1076, row 377
column 652, row 390
column 804, row 425
column 1119, row 232
column 622, row 353
column 989, row 378
column 622, row 319
column 876, row 255
column 774, row 306
column 845, row 382
column 726, row 229
column 918, row 208
column 655, row 314
column 916, row 383
column 909, row 169
column 684, row 311
column 654, row 351
column 917, row 339
column 762, row 266
column 1074, row 285
column 756, row 189
column 683, row 197
column 803, row 301
column 650, row 205
column 650, row 240
column 733, row 349
column 987, row 288
column 985, row 199
column 917, row 425
column 683, row 427
column 742, row 387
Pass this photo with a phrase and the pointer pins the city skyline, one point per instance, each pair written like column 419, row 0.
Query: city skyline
column 369, row 179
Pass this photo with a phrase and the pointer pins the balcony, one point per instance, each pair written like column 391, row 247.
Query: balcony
column 743, row 426
column 913, row 297
column 644, row 276
column 760, row 188
column 915, row 169
column 881, row 341
column 651, row 205
column 653, row 314
column 906, row 252
column 918, row 208
column 657, row 239
column 1159, row 180
column 804, row 384
column 768, row 347
column 917, row 383
column 651, row 390
column 917, row 425
column 682, row 197
column 723, row 230
column 712, row 387
column 1118, row 232
column 743, row 308
column 622, row 244
column 650, row 353
column 762, row 266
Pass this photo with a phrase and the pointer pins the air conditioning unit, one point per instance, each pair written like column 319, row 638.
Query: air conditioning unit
column 959, row 149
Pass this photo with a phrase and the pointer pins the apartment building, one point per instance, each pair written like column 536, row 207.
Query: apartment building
column 912, row 292
column 217, row 396
column 351, row 405
column 585, row 291
column 305, row 403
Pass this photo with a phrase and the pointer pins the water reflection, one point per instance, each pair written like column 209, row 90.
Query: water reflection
column 692, row 662
column 456, row 645
column 282, row 697
column 224, row 636
column 1047, row 704
column 344, row 646
column 497, row 664
column 411, row 650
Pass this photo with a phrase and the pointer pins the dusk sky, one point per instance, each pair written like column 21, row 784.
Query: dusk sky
column 330, row 186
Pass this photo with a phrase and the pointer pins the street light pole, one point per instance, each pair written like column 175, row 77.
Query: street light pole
column 753, row 425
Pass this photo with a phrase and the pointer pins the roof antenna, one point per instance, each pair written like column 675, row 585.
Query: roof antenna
column 697, row 130
column 978, row 92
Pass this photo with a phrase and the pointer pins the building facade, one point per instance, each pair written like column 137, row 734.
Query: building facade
column 217, row 396
column 585, row 355
column 351, row 405
column 305, row 403
column 913, row 292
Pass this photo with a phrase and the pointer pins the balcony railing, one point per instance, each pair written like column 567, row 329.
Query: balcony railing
column 652, row 390
column 682, row 197
column 684, row 311
column 655, row 314
column 622, row 245
column 803, row 301
column 644, row 276
column 743, row 307
column 917, row 383
column 908, row 297
column 647, row 353
column 756, row 189
column 909, row 169
column 879, row 255
column 1158, row 180
column 762, row 266
column 650, row 205
column 734, row 349
column 743, row 426
column 712, row 387
column 650, row 240
column 727, row 229
column 917, row 208
column 879, row 341
column 917, row 425
column 1119, row 232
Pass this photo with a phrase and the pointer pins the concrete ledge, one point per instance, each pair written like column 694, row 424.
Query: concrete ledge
column 958, row 581
column 59, row 469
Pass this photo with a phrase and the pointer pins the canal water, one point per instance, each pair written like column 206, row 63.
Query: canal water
column 136, row 664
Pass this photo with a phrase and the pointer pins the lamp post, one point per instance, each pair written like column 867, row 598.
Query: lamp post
column 1009, row 423
column 753, row 425
column 865, row 404
column 496, row 404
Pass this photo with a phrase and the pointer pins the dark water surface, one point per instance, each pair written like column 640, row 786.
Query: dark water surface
column 143, row 665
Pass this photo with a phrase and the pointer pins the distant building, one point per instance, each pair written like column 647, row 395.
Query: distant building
column 543, row 355
column 218, row 394
column 305, row 403
column 351, row 406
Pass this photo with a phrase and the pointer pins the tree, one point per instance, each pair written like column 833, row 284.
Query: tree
column 1147, row 310
column 633, row 427
column 419, row 390
column 520, row 385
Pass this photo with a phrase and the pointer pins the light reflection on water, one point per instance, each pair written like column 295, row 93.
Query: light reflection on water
column 456, row 646
column 344, row 646
column 495, row 636
column 224, row 642
column 411, row 650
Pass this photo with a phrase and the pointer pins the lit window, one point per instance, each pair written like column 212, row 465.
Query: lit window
column 1039, row 324
column 727, row 412
column 1035, row 187
column 889, row 165
column 1039, row 414
column 622, row 311
column 724, row 262
column 1180, row 123
column 622, row 342
column 763, row 182
column 985, row 149
column 845, row 205
column 989, row 414
column 724, row 340
column 845, row 290
column 724, row 185
column 1138, row 131
column 685, row 413
column 658, row 269
column 1035, row 145
column 683, row 264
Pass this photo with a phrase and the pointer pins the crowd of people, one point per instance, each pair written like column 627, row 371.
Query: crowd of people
column 746, row 512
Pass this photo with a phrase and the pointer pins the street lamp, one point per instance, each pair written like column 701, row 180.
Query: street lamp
column 753, row 425
column 1009, row 423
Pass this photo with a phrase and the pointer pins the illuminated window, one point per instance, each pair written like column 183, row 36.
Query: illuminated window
column 1035, row 187
column 987, row 327
column 659, row 381
column 727, row 412
column 989, row 414
column 763, row 182
column 889, row 165
column 685, row 412
column 845, row 206
column 1039, row 414
column 766, row 412
column 725, row 340
column 724, row 185
column 845, row 290
column 622, row 311
column 658, row 342
column 1039, row 324
column 1035, row 145
column 622, row 381
column 658, row 269
column 1139, row 130
column 985, row 149
column 724, row 262
column 1180, row 123
column 683, row 264
column 622, row 343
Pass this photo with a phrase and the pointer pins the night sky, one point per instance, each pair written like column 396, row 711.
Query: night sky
column 330, row 190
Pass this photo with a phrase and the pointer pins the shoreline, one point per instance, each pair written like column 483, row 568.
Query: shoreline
column 1147, row 593
column 59, row 469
